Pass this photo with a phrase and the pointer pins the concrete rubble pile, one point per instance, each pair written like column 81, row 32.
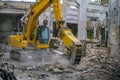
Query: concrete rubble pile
column 97, row 65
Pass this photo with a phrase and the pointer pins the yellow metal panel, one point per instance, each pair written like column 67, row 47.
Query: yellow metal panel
column 13, row 41
column 17, row 41
column 68, row 37
column 43, row 46
column 57, row 10
column 24, row 44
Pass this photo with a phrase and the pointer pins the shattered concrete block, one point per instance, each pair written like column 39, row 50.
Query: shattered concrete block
column 56, row 70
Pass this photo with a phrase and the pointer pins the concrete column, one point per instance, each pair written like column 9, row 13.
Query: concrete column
column 51, row 19
column 64, row 9
column 82, row 33
column 82, row 19
column 114, row 28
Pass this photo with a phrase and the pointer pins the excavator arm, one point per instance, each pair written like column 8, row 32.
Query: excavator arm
column 66, row 35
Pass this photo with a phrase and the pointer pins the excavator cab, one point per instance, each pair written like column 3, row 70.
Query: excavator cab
column 43, row 37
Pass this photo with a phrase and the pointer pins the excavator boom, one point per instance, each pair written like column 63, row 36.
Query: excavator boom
column 57, row 10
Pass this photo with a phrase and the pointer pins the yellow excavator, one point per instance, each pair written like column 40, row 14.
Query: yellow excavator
column 39, row 35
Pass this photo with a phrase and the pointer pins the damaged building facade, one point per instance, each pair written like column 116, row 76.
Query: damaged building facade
column 95, row 49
